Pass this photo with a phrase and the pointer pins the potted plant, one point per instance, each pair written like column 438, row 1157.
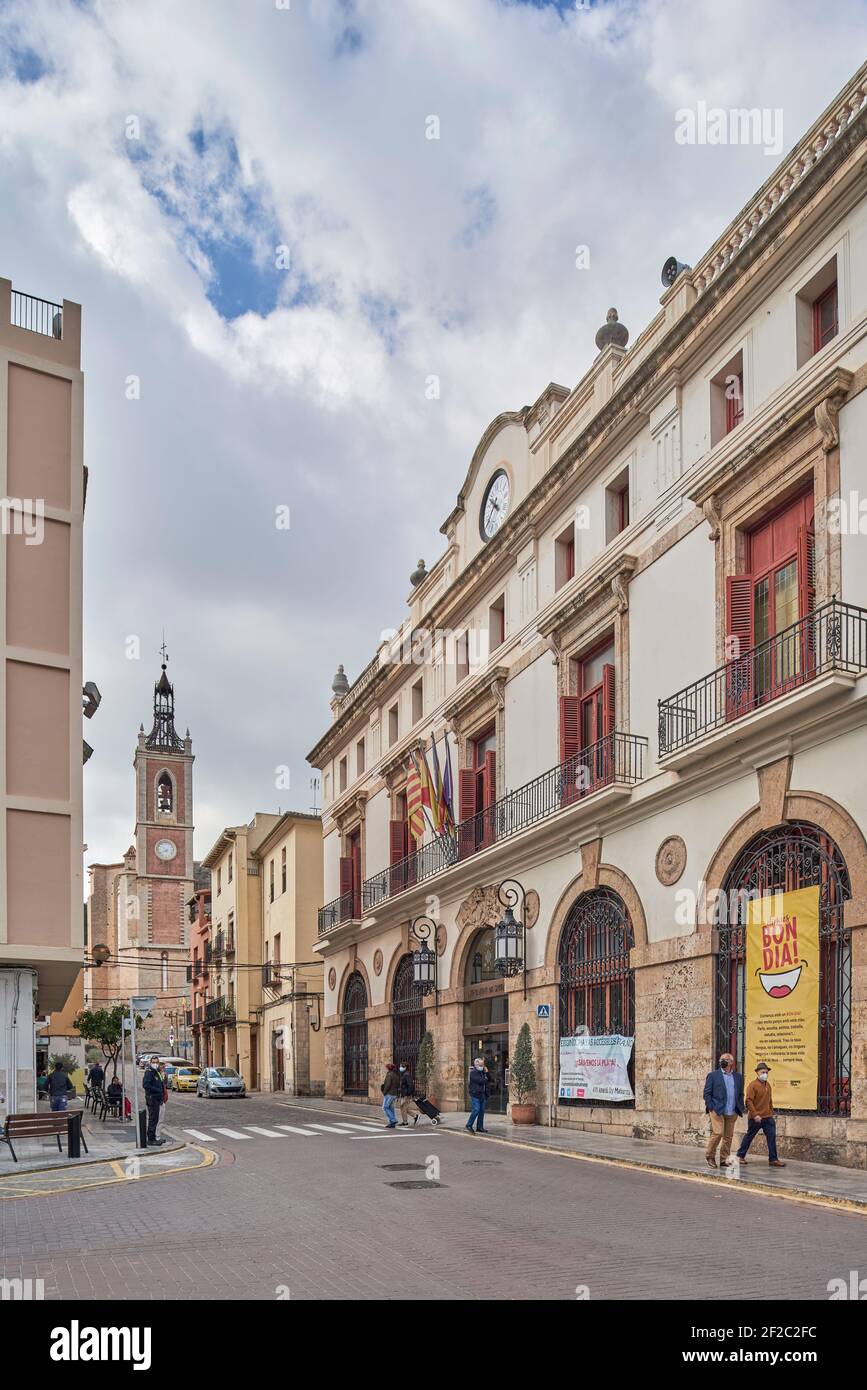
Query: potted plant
column 424, row 1065
column 522, row 1079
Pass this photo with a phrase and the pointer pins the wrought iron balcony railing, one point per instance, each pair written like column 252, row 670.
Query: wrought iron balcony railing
column 37, row 315
column 220, row 1011
column 833, row 638
column 618, row 758
column 219, row 944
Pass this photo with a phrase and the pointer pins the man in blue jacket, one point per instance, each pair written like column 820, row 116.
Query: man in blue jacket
column 478, row 1086
column 723, row 1101
column 154, row 1095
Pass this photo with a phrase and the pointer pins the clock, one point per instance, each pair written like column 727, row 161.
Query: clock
column 166, row 849
column 495, row 505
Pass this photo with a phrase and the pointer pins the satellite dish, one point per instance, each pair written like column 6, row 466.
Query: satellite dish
column 672, row 269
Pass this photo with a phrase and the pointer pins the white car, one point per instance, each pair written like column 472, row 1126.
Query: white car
column 220, row 1081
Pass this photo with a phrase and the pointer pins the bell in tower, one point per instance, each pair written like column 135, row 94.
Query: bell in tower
column 163, row 734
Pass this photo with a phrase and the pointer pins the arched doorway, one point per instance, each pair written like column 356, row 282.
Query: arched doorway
column 597, row 985
column 408, row 1016
column 486, row 1019
column 792, row 856
column 355, row 1037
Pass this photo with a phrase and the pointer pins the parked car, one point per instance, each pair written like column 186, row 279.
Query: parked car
column 220, row 1081
column 185, row 1078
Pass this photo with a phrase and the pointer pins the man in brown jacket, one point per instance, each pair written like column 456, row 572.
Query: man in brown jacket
column 760, row 1109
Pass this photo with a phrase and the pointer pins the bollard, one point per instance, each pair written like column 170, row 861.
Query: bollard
column 143, row 1129
column 73, row 1134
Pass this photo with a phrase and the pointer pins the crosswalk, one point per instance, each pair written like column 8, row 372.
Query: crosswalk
column 353, row 1129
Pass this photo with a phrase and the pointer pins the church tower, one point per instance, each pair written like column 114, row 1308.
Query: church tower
column 164, row 873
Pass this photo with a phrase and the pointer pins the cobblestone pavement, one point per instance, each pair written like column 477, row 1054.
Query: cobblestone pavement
column 315, row 1216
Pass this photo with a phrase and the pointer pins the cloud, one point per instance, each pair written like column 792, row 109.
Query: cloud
column 299, row 135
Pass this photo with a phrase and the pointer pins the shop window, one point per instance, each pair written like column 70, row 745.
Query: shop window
column 727, row 399
column 768, row 650
column 617, row 507
column 564, row 557
column 817, row 317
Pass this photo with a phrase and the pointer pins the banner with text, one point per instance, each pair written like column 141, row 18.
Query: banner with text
column 595, row 1068
column 783, row 995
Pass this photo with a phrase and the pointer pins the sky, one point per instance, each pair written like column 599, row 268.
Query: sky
column 274, row 257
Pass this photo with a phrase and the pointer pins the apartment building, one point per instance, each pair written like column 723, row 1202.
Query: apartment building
column 292, row 1035
column 646, row 645
column 42, row 482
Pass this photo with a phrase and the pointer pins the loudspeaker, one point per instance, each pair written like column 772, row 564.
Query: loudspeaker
column 672, row 269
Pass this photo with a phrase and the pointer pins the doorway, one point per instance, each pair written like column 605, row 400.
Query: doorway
column 278, row 1075
column 494, row 1047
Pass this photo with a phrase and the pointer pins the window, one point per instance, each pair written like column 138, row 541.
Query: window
column 462, row 657
column 165, row 795
column 478, row 794
column 283, row 869
column 587, row 723
column 231, row 865
column 342, row 775
column 564, row 557
column 275, row 949
column 617, row 511
column 393, row 726
column 219, row 879
column 597, row 989
column 359, row 757
column 401, row 844
column 230, row 932
column 164, row 970
column 817, row 316
column 497, row 623
column 727, row 398
column 271, row 880
column 418, row 700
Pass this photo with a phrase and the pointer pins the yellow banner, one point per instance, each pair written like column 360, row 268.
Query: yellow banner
column 783, row 995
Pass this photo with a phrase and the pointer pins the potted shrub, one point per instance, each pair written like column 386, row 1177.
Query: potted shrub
column 424, row 1065
column 522, row 1079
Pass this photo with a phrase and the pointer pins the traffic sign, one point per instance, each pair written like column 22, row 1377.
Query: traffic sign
column 543, row 1010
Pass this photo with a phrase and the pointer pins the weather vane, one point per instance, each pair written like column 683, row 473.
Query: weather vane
column 163, row 653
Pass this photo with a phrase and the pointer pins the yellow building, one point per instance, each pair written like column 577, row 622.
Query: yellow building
column 292, row 1056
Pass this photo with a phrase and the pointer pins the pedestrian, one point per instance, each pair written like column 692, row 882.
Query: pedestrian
column 760, row 1109
column 723, row 1101
column 479, row 1085
column 59, row 1087
column 42, row 1085
column 390, row 1090
column 96, row 1077
column 165, row 1099
column 153, row 1091
column 405, row 1096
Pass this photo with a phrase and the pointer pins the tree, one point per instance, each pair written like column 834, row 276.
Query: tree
column 424, row 1063
column 105, row 1027
column 522, row 1081
column 66, row 1060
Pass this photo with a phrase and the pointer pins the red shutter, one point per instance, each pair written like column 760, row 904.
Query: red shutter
column 739, row 640
column 345, row 887
column 807, row 594
column 606, row 762
column 467, row 826
column 489, row 780
column 397, row 833
column 570, row 745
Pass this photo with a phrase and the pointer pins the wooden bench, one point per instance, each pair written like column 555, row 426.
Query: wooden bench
column 36, row 1127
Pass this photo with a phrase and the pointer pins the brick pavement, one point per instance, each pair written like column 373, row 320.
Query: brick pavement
column 318, row 1218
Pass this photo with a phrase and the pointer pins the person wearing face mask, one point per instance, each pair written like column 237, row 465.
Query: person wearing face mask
column 723, row 1101
column 478, row 1086
column 405, row 1096
column 760, row 1108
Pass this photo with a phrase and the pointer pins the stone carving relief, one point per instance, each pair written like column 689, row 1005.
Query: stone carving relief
column 670, row 860
column 332, row 978
column 377, row 962
column 483, row 909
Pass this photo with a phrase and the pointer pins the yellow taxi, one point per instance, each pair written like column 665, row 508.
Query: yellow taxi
column 185, row 1078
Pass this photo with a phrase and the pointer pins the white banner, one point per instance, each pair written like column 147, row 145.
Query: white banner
column 595, row 1068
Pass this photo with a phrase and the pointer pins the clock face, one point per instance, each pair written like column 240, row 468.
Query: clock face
column 495, row 506
column 166, row 849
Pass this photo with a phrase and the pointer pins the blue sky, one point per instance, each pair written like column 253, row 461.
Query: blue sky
column 282, row 257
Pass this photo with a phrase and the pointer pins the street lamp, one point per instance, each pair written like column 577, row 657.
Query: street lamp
column 424, row 960
column 509, row 932
column 100, row 954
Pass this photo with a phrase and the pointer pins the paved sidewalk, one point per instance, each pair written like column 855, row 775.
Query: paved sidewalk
column 106, row 1140
column 822, row 1181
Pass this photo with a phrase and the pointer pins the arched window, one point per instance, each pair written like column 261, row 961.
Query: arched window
column 355, row 1037
column 792, row 856
column 408, row 1016
column 597, row 988
column 165, row 794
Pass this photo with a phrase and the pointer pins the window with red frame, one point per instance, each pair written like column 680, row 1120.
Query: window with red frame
column 587, row 720
column 401, row 844
column 825, row 322
column 478, row 793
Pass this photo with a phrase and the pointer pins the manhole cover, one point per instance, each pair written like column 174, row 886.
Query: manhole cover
column 412, row 1185
column 403, row 1167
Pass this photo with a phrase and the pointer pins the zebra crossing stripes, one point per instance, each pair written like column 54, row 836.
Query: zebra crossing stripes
column 309, row 1130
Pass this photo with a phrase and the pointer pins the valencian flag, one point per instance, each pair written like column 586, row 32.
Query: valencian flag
column 428, row 792
column 446, row 820
column 414, row 808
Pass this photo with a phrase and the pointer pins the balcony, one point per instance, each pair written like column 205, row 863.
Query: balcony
column 271, row 976
column 37, row 315
column 220, row 1011
column 799, row 668
column 615, row 763
column 219, row 948
column 230, row 944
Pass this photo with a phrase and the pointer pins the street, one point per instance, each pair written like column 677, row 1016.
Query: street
column 303, row 1204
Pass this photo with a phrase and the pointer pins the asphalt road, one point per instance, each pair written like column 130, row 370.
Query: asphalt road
column 313, row 1211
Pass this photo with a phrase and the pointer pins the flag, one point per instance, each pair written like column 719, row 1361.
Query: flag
column 448, row 791
column 414, row 808
column 428, row 791
column 439, row 787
